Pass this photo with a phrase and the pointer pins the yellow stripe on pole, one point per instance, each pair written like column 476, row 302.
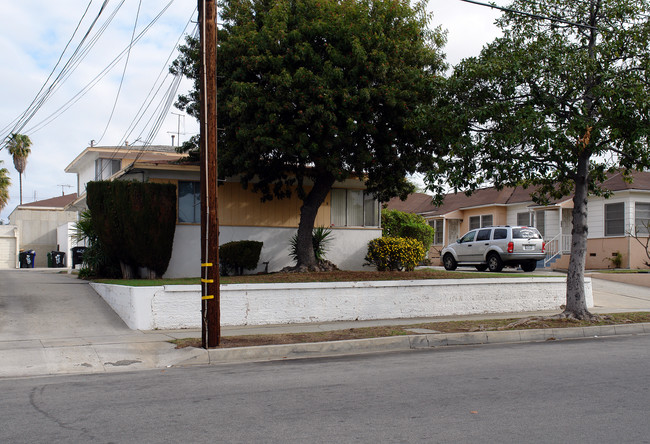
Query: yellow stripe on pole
column 207, row 281
column 209, row 264
column 207, row 297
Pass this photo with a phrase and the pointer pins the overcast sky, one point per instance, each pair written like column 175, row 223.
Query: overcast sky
column 34, row 33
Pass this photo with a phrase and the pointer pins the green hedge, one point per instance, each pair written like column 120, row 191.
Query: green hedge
column 400, row 224
column 239, row 255
column 395, row 253
column 135, row 222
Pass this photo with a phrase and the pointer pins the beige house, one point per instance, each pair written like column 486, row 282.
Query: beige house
column 611, row 221
column 352, row 214
column 37, row 224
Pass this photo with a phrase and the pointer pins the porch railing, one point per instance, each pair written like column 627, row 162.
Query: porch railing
column 556, row 247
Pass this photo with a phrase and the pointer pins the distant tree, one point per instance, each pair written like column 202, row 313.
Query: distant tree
column 18, row 146
column 556, row 105
column 315, row 91
column 5, row 182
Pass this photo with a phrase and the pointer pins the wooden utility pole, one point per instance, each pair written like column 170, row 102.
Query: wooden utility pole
column 210, row 298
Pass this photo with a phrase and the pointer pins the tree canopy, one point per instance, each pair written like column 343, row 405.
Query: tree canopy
column 315, row 91
column 5, row 182
column 19, row 148
column 554, row 103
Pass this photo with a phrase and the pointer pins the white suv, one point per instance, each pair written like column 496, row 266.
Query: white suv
column 495, row 247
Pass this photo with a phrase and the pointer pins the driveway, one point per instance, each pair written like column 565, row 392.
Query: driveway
column 36, row 304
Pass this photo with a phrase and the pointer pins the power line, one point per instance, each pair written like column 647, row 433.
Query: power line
column 528, row 14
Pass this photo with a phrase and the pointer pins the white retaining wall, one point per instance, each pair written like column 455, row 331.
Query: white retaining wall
column 179, row 306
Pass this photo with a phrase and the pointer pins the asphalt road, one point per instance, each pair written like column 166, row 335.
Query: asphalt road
column 590, row 390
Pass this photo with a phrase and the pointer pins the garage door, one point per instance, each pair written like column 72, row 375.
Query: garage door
column 7, row 252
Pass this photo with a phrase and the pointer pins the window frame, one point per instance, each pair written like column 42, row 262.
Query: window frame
column 608, row 220
column 197, row 193
column 481, row 221
column 364, row 203
column 438, row 232
column 641, row 223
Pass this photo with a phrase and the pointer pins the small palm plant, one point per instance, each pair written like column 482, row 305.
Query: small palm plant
column 320, row 238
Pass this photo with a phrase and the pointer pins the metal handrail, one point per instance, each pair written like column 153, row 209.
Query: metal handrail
column 559, row 245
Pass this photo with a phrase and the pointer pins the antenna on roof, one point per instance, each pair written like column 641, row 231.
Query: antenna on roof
column 64, row 186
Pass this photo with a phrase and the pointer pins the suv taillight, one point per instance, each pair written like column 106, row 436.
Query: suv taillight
column 511, row 247
column 543, row 247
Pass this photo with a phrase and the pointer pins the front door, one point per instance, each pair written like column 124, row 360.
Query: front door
column 453, row 230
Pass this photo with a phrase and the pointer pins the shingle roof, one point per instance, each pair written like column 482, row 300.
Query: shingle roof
column 422, row 203
column 54, row 202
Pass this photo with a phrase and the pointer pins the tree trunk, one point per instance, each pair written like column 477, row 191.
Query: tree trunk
column 576, row 304
column 20, row 182
column 314, row 199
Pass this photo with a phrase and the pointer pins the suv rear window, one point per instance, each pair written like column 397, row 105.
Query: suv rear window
column 525, row 233
column 500, row 233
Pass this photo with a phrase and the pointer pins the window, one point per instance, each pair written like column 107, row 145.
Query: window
column 469, row 237
column 525, row 233
column 354, row 208
column 615, row 219
column 105, row 168
column 483, row 235
column 484, row 220
column 189, row 202
column 525, row 219
column 500, row 233
column 642, row 217
column 437, row 227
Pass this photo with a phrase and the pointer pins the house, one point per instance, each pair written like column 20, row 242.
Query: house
column 611, row 221
column 352, row 214
column 38, row 223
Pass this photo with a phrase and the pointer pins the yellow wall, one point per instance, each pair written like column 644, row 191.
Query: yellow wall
column 240, row 207
column 600, row 250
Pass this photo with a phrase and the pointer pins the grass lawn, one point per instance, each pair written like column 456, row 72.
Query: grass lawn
column 442, row 327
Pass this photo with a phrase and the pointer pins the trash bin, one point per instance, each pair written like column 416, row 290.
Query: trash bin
column 77, row 255
column 58, row 259
column 27, row 258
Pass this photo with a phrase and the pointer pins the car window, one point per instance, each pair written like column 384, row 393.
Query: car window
column 525, row 233
column 500, row 233
column 469, row 237
column 483, row 235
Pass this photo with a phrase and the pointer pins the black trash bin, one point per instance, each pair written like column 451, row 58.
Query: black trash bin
column 77, row 255
column 58, row 259
column 27, row 258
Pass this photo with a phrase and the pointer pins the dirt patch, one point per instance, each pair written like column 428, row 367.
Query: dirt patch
column 442, row 327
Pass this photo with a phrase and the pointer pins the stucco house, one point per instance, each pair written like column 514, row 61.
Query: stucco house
column 348, row 210
column 38, row 223
column 611, row 221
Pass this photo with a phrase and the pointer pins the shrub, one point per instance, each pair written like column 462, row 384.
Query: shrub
column 320, row 239
column 399, row 224
column 239, row 255
column 395, row 253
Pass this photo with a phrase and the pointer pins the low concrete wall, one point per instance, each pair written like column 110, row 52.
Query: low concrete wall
column 179, row 306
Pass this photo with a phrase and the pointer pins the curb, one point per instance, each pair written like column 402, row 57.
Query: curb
column 402, row 343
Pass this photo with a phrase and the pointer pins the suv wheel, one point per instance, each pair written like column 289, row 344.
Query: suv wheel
column 529, row 266
column 481, row 267
column 494, row 262
column 449, row 262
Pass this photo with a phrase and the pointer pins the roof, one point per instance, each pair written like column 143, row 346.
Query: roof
column 423, row 204
column 54, row 202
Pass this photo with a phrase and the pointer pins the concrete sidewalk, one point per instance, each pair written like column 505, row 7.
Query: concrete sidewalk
column 56, row 341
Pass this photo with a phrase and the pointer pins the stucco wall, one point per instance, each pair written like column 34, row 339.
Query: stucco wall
column 147, row 308
column 347, row 250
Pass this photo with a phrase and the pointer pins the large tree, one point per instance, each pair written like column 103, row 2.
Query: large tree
column 5, row 182
column 558, row 104
column 315, row 91
column 19, row 148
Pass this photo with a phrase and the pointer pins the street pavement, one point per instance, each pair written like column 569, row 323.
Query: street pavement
column 52, row 323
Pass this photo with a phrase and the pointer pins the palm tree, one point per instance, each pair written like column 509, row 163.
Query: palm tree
column 18, row 146
column 4, row 186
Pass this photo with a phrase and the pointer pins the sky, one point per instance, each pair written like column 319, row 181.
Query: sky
column 34, row 35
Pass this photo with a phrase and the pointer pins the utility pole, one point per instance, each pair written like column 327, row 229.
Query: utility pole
column 210, row 297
